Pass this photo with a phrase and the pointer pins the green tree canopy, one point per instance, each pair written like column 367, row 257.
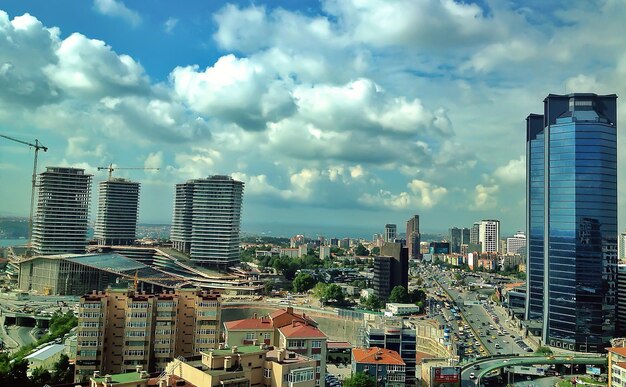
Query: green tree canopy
column 371, row 302
column 375, row 251
column 399, row 294
column 334, row 294
column 361, row 250
column 360, row 379
column 303, row 282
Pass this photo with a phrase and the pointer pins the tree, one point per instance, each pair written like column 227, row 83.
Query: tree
column 545, row 351
column 375, row 251
column 303, row 282
column 417, row 296
column 268, row 286
column 319, row 290
column 360, row 379
column 63, row 370
column 399, row 294
column 361, row 250
column 334, row 294
column 41, row 377
column 372, row 302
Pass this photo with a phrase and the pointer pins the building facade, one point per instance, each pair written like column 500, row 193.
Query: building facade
column 489, row 236
column 620, row 325
column 396, row 335
column 207, row 219
column 474, row 233
column 413, row 237
column 385, row 365
column 516, row 244
column 622, row 246
column 118, row 208
column 119, row 330
column 391, row 233
column 60, row 224
column 572, row 220
column 391, row 269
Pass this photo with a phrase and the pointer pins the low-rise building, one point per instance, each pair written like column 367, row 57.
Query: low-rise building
column 397, row 335
column 385, row 365
column 45, row 357
column 397, row 309
column 617, row 366
column 128, row 379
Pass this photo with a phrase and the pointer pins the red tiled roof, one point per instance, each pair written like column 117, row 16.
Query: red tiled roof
column 300, row 330
column 338, row 345
column 283, row 317
column 621, row 364
column 618, row 350
column 376, row 355
column 249, row 323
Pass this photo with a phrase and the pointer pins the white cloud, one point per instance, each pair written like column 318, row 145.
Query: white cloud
column 170, row 24
column 117, row 8
column 484, row 197
column 81, row 147
column 154, row 160
column 513, row 172
column 422, row 195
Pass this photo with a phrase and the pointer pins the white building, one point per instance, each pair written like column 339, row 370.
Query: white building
column 118, row 206
column 489, row 235
column 45, row 357
column 206, row 220
column 60, row 225
column 516, row 244
column 391, row 232
column 397, row 309
column 324, row 252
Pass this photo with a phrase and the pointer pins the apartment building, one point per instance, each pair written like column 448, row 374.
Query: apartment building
column 242, row 366
column 119, row 330
column 385, row 365
column 283, row 329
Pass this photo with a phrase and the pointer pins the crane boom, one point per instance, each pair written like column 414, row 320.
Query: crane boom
column 37, row 146
column 111, row 168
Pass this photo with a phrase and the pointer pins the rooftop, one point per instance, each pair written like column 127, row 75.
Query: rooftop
column 128, row 377
column 249, row 323
column 377, row 355
column 301, row 330
column 45, row 352
column 244, row 349
column 618, row 350
column 338, row 345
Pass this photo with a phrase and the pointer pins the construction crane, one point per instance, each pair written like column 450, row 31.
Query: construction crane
column 111, row 168
column 37, row 145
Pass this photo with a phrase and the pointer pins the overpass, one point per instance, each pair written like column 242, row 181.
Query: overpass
column 26, row 319
column 488, row 365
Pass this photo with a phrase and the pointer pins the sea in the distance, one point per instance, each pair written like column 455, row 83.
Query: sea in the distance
column 13, row 242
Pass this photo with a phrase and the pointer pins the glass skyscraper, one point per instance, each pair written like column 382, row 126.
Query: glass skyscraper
column 571, row 160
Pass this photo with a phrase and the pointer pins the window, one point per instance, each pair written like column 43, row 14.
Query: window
column 135, row 334
column 90, row 305
column 295, row 344
column 302, row 375
column 267, row 372
column 267, row 336
column 318, row 369
column 138, row 305
column 250, row 336
column 164, row 304
column 316, row 344
column 134, row 352
column 205, row 331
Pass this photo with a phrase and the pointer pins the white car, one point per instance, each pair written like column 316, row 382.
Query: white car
column 472, row 376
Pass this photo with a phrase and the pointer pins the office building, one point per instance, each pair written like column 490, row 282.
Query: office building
column 119, row 330
column 571, row 153
column 455, row 238
column 622, row 246
column 516, row 244
column 413, row 237
column 620, row 325
column 60, row 224
column 391, row 269
column 474, row 233
column 385, row 365
column 118, row 206
column 489, row 236
column 391, row 232
column 206, row 220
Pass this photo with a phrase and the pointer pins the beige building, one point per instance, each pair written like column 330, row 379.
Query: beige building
column 243, row 366
column 119, row 330
column 617, row 367
column 283, row 329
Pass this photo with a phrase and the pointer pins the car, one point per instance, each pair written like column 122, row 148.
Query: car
column 472, row 376
column 476, row 366
column 505, row 360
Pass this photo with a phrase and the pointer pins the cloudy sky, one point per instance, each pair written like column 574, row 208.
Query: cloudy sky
column 334, row 113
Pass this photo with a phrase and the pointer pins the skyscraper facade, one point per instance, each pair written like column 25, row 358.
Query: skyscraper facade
column 622, row 246
column 391, row 232
column 571, row 156
column 118, row 206
column 455, row 236
column 206, row 220
column 474, row 233
column 391, row 269
column 489, row 235
column 413, row 237
column 60, row 224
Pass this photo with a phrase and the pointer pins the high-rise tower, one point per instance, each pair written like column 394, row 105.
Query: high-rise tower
column 118, row 206
column 391, row 232
column 489, row 236
column 207, row 217
column 571, row 156
column 60, row 225
column 413, row 237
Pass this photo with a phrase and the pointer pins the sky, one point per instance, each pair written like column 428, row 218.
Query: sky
column 337, row 114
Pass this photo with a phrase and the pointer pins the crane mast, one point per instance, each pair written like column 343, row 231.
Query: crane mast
column 111, row 168
column 37, row 145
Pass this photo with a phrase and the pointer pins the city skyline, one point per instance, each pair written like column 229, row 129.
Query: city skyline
column 351, row 129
